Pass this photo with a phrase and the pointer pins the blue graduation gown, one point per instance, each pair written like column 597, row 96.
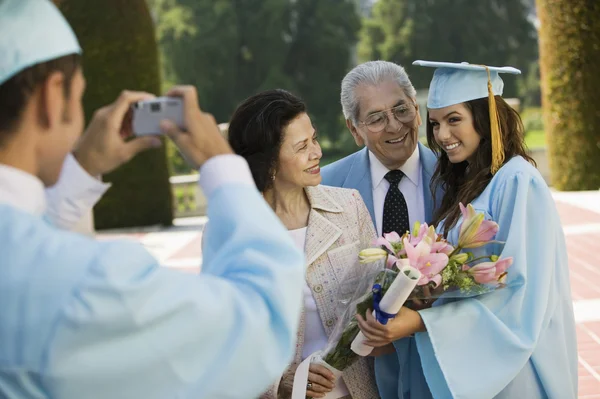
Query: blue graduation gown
column 520, row 341
column 88, row 319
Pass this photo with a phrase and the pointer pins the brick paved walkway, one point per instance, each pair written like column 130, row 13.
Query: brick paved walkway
column 179, row 247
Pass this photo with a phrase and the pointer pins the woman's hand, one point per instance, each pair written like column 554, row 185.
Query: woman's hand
column 320, row 381
column 406, row 323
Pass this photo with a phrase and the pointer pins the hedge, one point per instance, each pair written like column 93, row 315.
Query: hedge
column 120, row 52
column 569, row 58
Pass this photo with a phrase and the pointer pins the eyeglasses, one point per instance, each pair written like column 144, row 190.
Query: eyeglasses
column 403, row 113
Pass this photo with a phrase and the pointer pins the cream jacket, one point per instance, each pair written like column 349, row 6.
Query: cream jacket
column 338, row 222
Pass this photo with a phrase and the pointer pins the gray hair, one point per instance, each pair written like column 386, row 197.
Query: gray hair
column 371, row 73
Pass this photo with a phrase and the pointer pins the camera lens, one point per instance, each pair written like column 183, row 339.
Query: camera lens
column 155, row 107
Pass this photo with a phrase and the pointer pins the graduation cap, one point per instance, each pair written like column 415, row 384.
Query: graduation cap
column 32, row 32
column 455, row 83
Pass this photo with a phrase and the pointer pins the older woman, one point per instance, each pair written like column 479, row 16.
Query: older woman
column 274, row 133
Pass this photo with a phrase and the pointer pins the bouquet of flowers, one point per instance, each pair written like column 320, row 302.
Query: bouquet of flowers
column 418, row 265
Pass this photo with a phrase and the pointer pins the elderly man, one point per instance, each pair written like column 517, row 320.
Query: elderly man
column 393, row 174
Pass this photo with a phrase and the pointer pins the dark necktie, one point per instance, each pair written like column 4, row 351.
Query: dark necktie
column 395, row 210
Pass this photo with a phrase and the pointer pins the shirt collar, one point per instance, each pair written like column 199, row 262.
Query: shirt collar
column 411, row 168
column 21, row 190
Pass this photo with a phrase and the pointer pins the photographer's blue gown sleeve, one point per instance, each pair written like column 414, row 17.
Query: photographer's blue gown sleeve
column 88, row 319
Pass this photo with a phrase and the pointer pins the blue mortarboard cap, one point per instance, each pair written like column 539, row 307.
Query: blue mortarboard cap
column 455, row 83
column 32, row 32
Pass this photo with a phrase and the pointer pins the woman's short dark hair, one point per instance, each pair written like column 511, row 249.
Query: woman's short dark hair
column 256, row 131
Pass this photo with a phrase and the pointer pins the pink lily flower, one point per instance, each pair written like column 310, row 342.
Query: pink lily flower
column 392, row 237
column 442, row 247
column 415, row 239
column 391, row 261
column 489, row 272
column 429, row 264
column 380, row 241
column 387, row 240
column 475, row 231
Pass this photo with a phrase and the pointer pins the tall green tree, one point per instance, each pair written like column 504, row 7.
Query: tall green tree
column 570, row 55
column 231, row 49
column 120, row 52
column 492, row 32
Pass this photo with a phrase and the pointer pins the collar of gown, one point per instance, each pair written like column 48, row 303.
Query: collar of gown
column 21, row 190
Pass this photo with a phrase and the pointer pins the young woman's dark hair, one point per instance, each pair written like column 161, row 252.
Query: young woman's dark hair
column 463, row 182
column 256, row 131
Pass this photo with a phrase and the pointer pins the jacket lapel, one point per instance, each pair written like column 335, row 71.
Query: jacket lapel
column 428, row 163
column 359, row 178
column 321, row 233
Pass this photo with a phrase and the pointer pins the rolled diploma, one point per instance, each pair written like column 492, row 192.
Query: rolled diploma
column 392, row 301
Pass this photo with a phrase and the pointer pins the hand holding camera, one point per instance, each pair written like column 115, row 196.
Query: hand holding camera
column 103, row 146
column 201, row 138
column 121, row 130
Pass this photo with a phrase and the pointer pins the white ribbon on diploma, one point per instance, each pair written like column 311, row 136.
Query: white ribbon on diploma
column 392, row 301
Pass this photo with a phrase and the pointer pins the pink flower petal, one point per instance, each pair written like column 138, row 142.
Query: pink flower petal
column 442, row 247
column 463, row 210
column 483, row 267
column 486, row 231
column 411, row 253
column 484, row 278
column 392, row 237
column 503, row 264
column 383, row 242
column 433, row 264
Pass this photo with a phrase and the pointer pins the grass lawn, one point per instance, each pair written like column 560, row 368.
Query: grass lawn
column 535, row 139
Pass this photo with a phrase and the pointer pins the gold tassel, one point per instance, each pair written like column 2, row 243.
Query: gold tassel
column 497, row 144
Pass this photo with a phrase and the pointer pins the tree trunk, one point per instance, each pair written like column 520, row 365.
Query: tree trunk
column 569, row 60
column 120, row 52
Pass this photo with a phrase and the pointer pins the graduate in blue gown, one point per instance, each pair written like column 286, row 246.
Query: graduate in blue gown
column 87, row 319
column 519, row 341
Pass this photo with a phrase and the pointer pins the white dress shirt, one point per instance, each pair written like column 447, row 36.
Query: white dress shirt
column 315, row 337
column 411, row 186
column 74, row 195
column 76, row 192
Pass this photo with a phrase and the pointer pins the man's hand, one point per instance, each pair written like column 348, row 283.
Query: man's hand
column 406, row 323
column 103, row 147
column 202, row 140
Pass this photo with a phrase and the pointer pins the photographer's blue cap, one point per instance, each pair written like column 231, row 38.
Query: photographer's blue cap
column 32, row 32
column 455, row 83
